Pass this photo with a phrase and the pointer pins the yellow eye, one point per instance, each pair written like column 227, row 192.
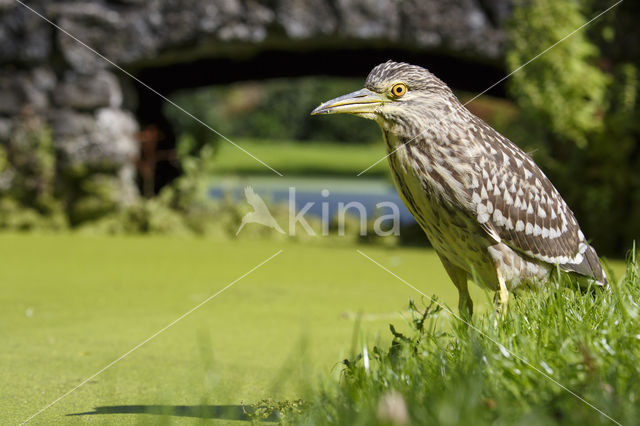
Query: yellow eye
column 398, row 90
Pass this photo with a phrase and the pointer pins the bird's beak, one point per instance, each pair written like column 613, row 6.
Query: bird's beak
column 363, row 101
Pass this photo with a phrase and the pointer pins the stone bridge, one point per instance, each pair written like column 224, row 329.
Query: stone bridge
column 96, row 111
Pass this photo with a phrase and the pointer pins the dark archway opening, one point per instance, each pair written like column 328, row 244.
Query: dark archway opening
column 158, row 165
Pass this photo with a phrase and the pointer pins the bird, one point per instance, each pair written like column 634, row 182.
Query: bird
column 488, row 210
column 260, row 213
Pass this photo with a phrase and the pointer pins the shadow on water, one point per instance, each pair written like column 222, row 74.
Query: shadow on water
column 224, row 412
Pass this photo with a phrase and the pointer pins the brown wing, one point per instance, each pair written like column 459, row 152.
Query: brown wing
column 517, row 204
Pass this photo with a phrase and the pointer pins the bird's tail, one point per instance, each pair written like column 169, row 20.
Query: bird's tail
column 590, row 267
column 591, row 257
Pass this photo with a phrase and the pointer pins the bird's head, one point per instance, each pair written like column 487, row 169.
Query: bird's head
column 394, row 93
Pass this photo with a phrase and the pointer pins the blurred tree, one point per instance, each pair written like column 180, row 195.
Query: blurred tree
column 579, row 109
column 274, row 109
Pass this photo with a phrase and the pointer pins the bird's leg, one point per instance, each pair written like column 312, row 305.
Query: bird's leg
column 459, row 278
column 465, row 304
column 502, row 297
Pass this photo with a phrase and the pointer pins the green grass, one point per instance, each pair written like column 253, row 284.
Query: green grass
column 71, row 304
column 554, row 342
column 300, row 158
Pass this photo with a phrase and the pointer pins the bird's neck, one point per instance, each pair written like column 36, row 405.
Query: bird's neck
column 439, row 155
column 432, row 128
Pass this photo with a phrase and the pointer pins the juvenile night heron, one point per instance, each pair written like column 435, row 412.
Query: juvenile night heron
column 487, row 209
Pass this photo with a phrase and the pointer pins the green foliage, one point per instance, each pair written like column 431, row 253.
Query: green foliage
column 92, row 196
column 189, row 191
column 36, row 195
column 27, row 178
column 16, row 217
column 501, row 372
column 563, row 87
column 181, row 208
column 270, row 410
column 277, row 109
column 142, row 217
column 579, row 116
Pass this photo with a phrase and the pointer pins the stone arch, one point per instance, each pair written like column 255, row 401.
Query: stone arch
column 173, row 45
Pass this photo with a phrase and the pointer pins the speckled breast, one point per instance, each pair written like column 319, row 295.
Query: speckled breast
column 453, row 234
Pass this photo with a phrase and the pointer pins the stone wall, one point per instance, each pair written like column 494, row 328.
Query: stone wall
column 43, row 71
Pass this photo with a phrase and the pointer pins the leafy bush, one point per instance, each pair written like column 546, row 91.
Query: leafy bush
column 555, row 340
column 579, row 116
column 562, row 88
column 27, row 178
